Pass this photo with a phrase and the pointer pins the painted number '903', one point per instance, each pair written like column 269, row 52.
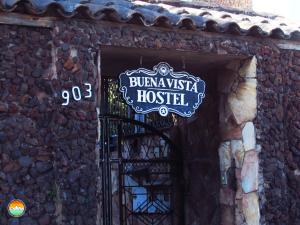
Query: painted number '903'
column 76, row 93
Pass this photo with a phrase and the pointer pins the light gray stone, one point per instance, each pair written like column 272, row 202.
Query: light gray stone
column 251, row 208
column 249, row 138
column 243, row 102
column 249, row 173
column 248, row 70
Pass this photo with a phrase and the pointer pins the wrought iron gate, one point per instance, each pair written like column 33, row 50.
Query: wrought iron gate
column 139, row 172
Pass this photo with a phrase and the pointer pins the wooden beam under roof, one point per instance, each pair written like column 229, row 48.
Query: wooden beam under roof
column 26, row 20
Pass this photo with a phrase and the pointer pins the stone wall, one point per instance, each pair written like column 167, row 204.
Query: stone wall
column 75, row 127
column 278, row 133
column 289, row 114
column 238, row 153
column 26, row 123
column 48, row 151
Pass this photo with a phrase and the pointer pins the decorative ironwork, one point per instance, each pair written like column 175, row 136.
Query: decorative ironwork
column 114, row 104
column 139, row 174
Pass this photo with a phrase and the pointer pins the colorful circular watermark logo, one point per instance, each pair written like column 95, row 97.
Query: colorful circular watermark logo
column 16, row 208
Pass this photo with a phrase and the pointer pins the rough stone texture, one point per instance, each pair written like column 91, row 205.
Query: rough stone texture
column 248, row 69
column 251, row 208
column 33, row 122
column 76, row 129
column 249, row 176
column 278, row 128
column 243, row 102
column 246, row 167
column 37, row 147
column 249, row 137
column 228, row 128
column 25, row 121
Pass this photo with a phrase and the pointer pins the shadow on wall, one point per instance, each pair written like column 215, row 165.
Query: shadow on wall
column 199, row 140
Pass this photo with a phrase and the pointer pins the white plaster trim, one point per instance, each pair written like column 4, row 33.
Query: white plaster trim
column 289, row 46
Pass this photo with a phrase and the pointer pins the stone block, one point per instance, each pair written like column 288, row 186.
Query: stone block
column 249, row 136
column 248, row 70
column 251, row 208
column 243, row 102
column 249, row 174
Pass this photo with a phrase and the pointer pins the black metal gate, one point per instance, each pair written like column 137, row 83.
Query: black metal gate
column 139, row 174
column 140, row 171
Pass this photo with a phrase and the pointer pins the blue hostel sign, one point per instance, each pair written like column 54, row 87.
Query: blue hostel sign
column 162, row 90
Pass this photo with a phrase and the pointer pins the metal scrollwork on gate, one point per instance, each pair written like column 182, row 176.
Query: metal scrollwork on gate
column 139, row 180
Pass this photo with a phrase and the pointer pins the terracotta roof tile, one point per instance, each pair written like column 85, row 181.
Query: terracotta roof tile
column 162, row 14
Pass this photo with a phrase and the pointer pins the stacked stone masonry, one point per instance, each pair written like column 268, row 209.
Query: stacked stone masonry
column 48, row 152
column 237, row 153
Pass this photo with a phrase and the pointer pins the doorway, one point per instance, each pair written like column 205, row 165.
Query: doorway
column 139, row 174
column 141, row 171
column 185, row 150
